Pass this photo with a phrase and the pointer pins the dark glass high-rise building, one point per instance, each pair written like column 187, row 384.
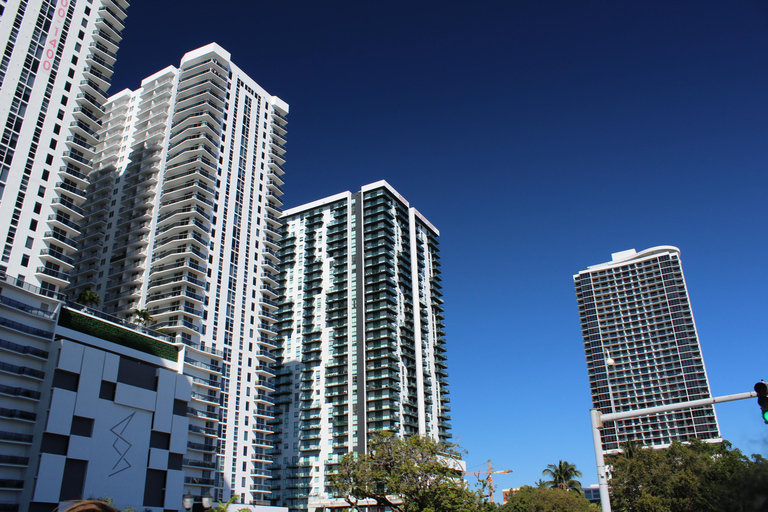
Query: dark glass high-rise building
column 642, row 347
column 362, row 340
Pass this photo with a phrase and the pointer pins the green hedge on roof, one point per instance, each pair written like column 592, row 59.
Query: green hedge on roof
column 121, row 336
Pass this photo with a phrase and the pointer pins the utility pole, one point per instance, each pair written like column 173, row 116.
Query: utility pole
column 597, row 423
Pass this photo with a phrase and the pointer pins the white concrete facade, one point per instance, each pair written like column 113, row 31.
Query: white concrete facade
column 183, row 223
column 56, row 67
column 116, row 427
column 89, row 406
column 642, row 347
column 362, row 336
column 27, row 324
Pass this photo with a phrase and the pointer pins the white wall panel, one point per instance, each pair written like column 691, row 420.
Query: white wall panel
column 49, row 478
column 71, row 357
column 61, row 411
column 90, row 382
column 135, row 397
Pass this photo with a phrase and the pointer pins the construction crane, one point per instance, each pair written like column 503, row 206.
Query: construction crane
column 490, row 474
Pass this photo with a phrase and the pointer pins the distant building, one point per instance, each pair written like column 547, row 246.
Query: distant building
column 362, row 336
column 592, row 493
column 642, row 348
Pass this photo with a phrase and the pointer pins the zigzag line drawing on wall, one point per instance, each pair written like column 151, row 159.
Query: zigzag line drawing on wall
column 121, row 444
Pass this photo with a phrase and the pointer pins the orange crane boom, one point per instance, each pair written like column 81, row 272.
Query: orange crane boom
column 490, row 474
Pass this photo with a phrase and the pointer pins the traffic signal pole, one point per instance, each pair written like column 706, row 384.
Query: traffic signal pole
column 597, row 423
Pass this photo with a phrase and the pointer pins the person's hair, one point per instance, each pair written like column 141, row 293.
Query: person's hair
column 87, row 506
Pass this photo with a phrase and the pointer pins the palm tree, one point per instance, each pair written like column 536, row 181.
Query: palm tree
column 540, row 484
column 88, row 298
column 563, row 476
column 631, row 448
column 142, row 317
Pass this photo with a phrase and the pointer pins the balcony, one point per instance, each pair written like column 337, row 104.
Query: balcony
column 202, row 482
column 60, row 278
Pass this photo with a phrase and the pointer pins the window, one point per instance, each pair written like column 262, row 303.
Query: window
column 25, row 260
column 33, row 225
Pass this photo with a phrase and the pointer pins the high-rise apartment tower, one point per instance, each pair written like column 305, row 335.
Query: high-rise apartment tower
column 56, row 66
column 56, row 63
column 182, row 224
column 642, row 347
column 362, row 336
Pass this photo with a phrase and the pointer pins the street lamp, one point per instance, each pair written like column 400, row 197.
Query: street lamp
column 188, row 500
column 597, row 424
column 609, row 362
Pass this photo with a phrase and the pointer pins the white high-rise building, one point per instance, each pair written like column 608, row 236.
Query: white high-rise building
column 182, row 224
column 362, row 336
column 642, row 348
column 56, row 66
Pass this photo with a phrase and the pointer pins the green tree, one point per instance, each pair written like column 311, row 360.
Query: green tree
column 563, row 476
column 696, row 476
column 222, row 507
column 417, row 474
column 142, row 317
column 530, row 499
column 88, row 298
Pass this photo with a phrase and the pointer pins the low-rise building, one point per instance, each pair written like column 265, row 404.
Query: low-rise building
column 95, row 407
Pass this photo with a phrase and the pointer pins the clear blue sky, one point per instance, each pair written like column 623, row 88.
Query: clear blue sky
column 539, row 137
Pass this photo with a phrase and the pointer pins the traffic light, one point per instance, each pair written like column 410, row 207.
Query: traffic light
column 761, row 388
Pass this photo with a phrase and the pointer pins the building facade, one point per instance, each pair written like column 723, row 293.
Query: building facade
column 89, row 406
column 57, row 62
column 362, row 336
column 182, row 225
column 56, row 67
column 28, row 318
column 642, row 348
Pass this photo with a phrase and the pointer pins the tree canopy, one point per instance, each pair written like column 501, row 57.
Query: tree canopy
column 417, row 474
column 691, row 477
column 530, row 499
column 142, row 317
column 563, row 476
column 88, row 298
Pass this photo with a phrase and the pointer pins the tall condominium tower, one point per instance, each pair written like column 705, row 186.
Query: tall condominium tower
column 54, row 72
column 362, row 336
column 182, row 225
column 642, row 347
